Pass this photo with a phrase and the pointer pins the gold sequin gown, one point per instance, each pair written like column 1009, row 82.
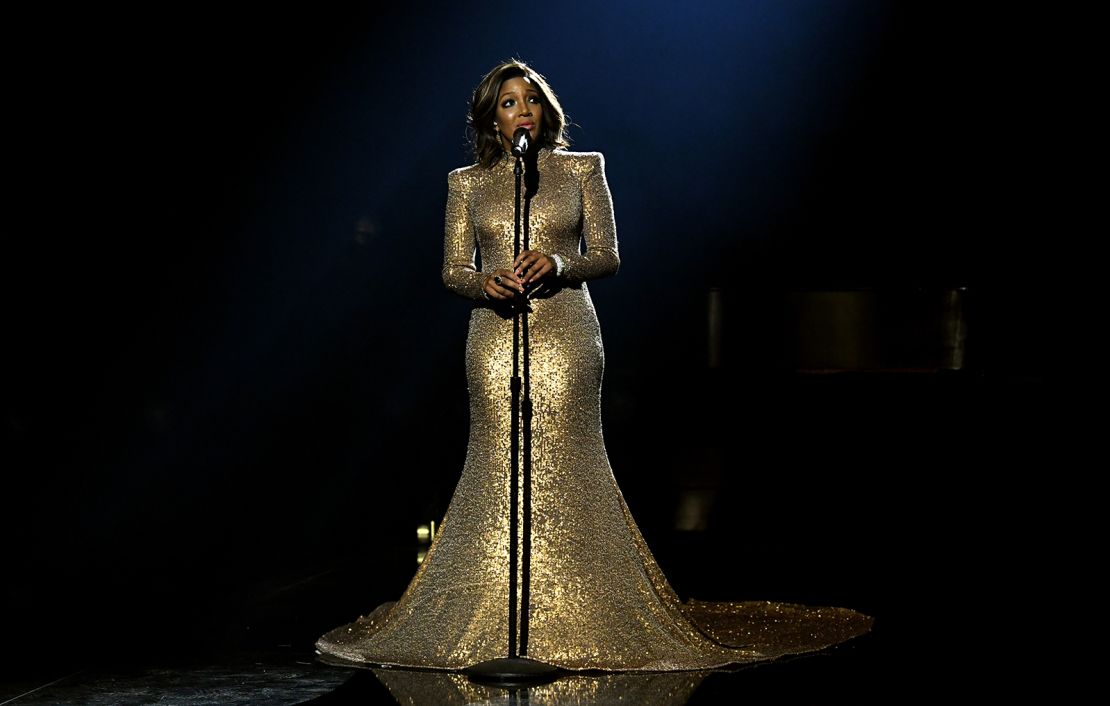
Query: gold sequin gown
column 598, row 600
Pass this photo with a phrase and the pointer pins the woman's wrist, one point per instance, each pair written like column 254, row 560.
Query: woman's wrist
column 559, row 264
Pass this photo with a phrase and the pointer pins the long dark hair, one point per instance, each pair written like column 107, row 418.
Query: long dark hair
column 483, row 112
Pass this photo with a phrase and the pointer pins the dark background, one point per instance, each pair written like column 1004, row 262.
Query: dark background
column 234, row 382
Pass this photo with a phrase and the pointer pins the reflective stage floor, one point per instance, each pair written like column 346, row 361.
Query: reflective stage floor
column 292, row 677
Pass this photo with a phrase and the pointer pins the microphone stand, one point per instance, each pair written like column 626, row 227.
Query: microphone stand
column 517, row 669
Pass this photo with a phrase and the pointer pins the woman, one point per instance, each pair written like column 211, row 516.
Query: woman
column 596, row 597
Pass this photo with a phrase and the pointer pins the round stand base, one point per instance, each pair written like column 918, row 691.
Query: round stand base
column 512, row 672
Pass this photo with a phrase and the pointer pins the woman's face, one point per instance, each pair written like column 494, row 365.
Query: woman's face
column 519, row 105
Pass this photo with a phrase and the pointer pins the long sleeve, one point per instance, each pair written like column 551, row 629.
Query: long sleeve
column 460, row 242
column 599, row 230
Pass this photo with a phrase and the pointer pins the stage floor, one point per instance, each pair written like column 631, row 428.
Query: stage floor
column 286, row 677
column 254, row 646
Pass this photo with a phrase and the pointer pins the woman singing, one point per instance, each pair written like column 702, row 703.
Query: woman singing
column 594, row 596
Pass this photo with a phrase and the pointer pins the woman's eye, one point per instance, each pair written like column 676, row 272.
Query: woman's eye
column 507, row 104
column 534, row 99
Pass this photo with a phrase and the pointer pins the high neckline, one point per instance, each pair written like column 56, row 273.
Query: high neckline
column 508, row 160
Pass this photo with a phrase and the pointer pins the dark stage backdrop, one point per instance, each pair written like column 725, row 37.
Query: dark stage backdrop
column 231, row 363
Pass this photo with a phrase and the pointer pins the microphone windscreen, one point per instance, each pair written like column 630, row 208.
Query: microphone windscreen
column 521, row 139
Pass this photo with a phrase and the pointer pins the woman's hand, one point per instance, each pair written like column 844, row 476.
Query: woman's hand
column 502, row 284
column 532, row 267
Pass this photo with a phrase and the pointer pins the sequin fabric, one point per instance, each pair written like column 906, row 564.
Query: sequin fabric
column 598, row 600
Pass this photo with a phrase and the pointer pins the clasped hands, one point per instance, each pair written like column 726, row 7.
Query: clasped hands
column 530, row 268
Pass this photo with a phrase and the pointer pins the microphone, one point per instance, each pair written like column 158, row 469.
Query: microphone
column 521, row 141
